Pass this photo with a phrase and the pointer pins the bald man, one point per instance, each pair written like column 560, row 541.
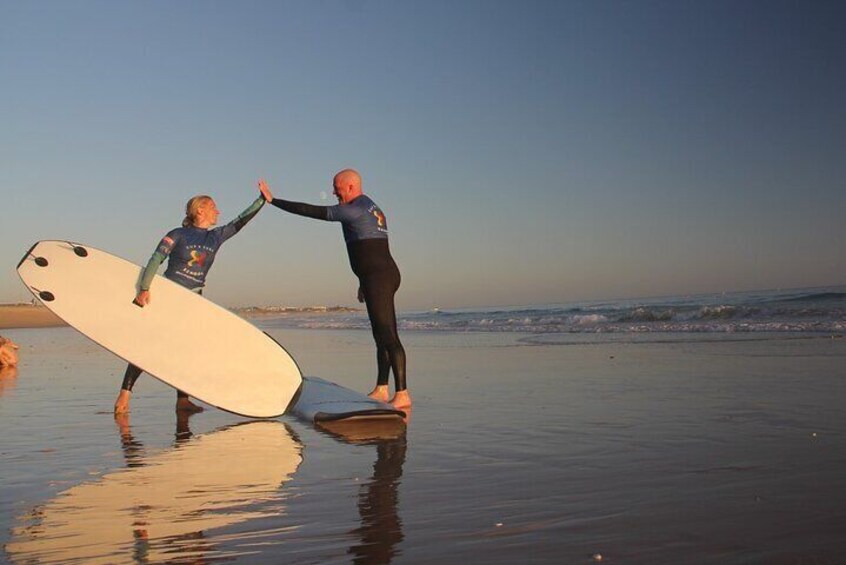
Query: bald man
column 366, row 234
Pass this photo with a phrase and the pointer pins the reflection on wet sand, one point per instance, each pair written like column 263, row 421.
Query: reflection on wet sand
column 372, row 431
column 8, row 378
column 133, row 450
column 165, row 507
column 380, row 531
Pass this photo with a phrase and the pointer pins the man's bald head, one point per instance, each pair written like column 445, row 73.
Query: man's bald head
column 349, row 177
column 347, row 185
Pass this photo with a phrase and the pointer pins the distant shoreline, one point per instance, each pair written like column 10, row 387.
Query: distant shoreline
column 250, row 311
column 27, row 316
column 17, row 316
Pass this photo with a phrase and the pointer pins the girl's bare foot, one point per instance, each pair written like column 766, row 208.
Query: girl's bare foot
column 122, row 402
column 379, row 393
column 122, row 421
column 185, row 405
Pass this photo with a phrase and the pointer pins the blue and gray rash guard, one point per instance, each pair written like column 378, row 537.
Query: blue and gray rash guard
column 361, row 219
column 191, row 251
column 365, row 230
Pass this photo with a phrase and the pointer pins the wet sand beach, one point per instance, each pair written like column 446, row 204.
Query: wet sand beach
column 520, row 449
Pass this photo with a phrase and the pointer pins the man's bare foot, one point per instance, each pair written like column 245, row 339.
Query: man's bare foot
column 379, row 393
column 185, row 405
column 407, row 418
column 401, row 400
column 122, row 402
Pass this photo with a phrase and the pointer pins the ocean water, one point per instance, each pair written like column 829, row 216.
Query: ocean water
column 522, row 447
column 814, row 310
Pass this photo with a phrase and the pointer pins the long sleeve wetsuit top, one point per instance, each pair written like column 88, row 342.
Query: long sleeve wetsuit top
column 191, row 251
column 365, row 231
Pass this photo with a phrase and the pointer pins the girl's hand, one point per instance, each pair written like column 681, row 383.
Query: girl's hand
column 143, row 298
column 265, row 190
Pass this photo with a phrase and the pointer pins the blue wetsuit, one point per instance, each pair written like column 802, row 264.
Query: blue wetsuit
column 360, row 219
column 190, row 252
column 366, row 234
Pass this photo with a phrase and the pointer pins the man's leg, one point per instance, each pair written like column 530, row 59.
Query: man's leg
column 379, row 296
column 383, row 362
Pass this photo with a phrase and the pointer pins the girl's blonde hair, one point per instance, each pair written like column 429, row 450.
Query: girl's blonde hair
column 192, row 208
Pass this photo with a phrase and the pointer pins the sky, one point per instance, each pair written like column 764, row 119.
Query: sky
column 523, row 152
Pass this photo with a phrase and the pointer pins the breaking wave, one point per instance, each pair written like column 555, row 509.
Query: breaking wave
column 814, row 310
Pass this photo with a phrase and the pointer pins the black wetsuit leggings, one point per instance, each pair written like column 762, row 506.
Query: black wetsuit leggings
column 379, row 289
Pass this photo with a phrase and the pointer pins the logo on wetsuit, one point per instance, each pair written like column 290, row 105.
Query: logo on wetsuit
column 381, row 225
column 197, row 258
column 166, row 245
column 197, row 266
column 380, row 218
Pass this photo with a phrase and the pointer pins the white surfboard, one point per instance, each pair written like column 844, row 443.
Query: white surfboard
column 180, row 337
column 169, row 505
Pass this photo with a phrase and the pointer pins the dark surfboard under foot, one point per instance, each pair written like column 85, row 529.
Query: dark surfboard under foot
column 322, row 401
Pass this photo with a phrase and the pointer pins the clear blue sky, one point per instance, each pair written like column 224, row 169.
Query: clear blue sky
column 524, row 152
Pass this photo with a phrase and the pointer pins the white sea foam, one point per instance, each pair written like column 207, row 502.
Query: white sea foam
column 589, row 319
column 821, row 310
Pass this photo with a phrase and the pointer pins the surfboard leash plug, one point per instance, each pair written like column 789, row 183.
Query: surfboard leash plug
column 44, row 295
column 78, row 249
